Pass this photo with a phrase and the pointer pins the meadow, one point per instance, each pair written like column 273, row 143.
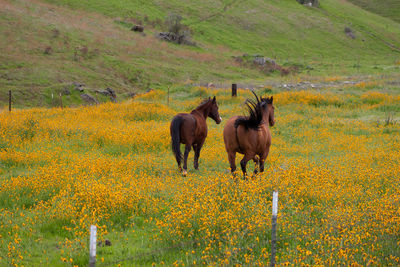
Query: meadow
column 47, row 45
column 334, row 160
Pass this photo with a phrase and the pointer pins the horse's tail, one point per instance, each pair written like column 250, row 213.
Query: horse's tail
column 176, row 137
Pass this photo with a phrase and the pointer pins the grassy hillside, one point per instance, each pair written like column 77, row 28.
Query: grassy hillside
column 47, row 45
column 386, row 8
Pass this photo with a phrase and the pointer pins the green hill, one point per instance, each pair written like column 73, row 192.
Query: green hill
column 48, row 45
column 386, row 8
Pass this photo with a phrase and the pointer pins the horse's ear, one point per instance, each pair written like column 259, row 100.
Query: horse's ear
column 214, row 99
column 272, row 99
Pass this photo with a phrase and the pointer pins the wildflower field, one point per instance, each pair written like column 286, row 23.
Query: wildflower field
column 334, row 159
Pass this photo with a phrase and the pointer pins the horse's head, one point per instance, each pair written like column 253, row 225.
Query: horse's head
column 267, row 104
column 213, row 114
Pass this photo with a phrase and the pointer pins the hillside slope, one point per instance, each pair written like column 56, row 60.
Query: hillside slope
column 48, row 45
column 386, row 8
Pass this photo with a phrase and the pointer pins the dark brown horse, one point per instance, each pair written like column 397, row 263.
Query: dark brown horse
column 191, row 130
column 250, row 135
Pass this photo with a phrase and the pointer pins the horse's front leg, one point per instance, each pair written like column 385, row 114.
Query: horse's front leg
column 196, row 148
column 185, row 156
column 263, row 158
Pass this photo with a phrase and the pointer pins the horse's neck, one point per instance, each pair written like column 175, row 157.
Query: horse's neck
column 265, row 117
column 203, row 110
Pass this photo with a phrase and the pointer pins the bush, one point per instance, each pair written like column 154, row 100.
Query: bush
column 175, row 31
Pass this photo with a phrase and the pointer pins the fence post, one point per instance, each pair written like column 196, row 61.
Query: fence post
column 61, row 103
column 9, row 100
column 273, row 230
column 92, row 252
column 168, row 97
column 234, row 89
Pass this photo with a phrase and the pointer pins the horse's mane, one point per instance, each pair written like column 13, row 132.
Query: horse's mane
column 254, row 120
column 203, row 102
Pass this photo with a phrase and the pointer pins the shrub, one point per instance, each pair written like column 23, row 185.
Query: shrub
column 176, row 32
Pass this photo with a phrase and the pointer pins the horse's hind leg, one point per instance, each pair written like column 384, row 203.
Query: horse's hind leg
column 185, row 156
column 256, row 163
column 262, row 161
column 244, row 161
column 196, row 148
column 231, row 158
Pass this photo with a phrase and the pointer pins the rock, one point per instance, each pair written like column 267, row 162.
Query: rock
column 259, row 60
column 48, row 50
column 349, row 32
column 79, row 86
column 270, row 60
column 102, row 92
column 175, row 38
column 111, row 92
column 108, row 92
column 89, row 99
column 309, row 3
column 138, row 28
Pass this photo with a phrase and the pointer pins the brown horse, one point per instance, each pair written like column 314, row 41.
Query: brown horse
column 191, row 130
column 250, row 135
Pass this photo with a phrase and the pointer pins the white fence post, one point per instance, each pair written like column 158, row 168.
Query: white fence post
column 273, row 230
column 92, row 252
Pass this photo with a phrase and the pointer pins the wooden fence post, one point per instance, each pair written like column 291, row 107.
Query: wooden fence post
column 234, row 89
column 168, row 97
column 92, row 252
column 273, row 230
column 61, row 103
column 9, row 100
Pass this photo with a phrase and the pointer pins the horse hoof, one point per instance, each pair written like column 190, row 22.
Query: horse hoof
column 184, row 173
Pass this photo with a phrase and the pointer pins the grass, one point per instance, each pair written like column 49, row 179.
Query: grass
column 387, row 8
column 111, row 165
